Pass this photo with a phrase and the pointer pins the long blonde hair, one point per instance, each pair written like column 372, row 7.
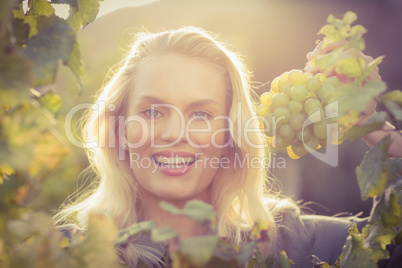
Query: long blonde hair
column 239, row 195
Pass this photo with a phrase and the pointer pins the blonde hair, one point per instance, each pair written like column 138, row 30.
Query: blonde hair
column 239, row 195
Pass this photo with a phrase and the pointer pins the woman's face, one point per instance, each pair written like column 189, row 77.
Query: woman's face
column 176, row 131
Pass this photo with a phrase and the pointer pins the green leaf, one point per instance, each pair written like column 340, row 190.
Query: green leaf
column 317, row 263
column 328, row 60
column 259, row 232
column 284, row 261
column 375, row 122
column 355, row 254
column 349, row 17
column 5, row 171
column 371, row 175
column 15, row 78
column 225, row 250
column 386, row 210
column 244, row 253
column 199, row 250
column 52, row 44
column 97, row 249
column 378, row 238
column 75, row 63
column 196, row 210
column 395, row 96
column 37, row 9
column 394, row 108
column 134, row 230
column 370, row 67
column 162, row 234
column 84, row 14
column 51, row 102
column 352, row 67
column 352, row 97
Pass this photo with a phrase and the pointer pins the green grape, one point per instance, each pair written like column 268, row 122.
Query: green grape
column 311, row 104
column 304, row 135
column 281, row 142
column 295, row 141
column 297, row 77
column 279, row 100
column 287, row 88
column 298, row 92
column 311, row 144
column 283, row 80
column 269, row 126
column 326, row 92
column 282, row 115
column 295, row 106
column 320, row 129
column 316, row 114
column 286, row 131
column 333, row 81
column 266, row 98
column 274, row 85
column 313, row 83
column 297, row 121
column 298, row 150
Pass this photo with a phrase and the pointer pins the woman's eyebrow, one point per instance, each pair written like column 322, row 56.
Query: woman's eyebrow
column 196, row 103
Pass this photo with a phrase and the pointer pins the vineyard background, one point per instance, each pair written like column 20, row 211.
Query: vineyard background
column 39, row 166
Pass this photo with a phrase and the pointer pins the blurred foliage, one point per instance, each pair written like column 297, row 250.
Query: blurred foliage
column 34, row 44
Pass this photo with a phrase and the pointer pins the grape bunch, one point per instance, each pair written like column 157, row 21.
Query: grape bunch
column 294, row 114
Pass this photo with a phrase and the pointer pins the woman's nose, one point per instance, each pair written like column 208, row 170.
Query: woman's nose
column 172, row 130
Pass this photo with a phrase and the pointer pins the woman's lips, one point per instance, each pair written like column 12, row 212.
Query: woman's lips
column 174, row 163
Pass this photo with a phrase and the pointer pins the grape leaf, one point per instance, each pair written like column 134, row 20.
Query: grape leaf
column 395, row 95
column 352, row 97
column 225, row 250
column 75, row 63
column 36, row 10
column 355, row 254
column 198, row 250
column 394, row 109
column 51, row 102
column 352, row 66
column 84, row 14
column 45, row 49
column 375, row 122
column 386, row 210
column 371, row 174
column 97, row 249
column 162, row 234
column 349, row 17
column 284, row 261
column 317, row 263
column 5, row 171
column 133, row 230
column 196, row 210
column 328, row 60
column 378, row 238
column 244, row 253
column 355, row 38
column 259, row 232
column 15, row 78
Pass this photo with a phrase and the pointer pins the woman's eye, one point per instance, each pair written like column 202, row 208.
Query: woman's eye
column 200, row 115
column 151, row 113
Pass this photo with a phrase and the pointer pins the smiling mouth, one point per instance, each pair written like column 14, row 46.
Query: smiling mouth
column 173, row 162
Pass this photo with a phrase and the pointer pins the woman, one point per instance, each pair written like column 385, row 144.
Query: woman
column 173, row 124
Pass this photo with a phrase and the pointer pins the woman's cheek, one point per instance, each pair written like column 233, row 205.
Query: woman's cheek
column 137, row 133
